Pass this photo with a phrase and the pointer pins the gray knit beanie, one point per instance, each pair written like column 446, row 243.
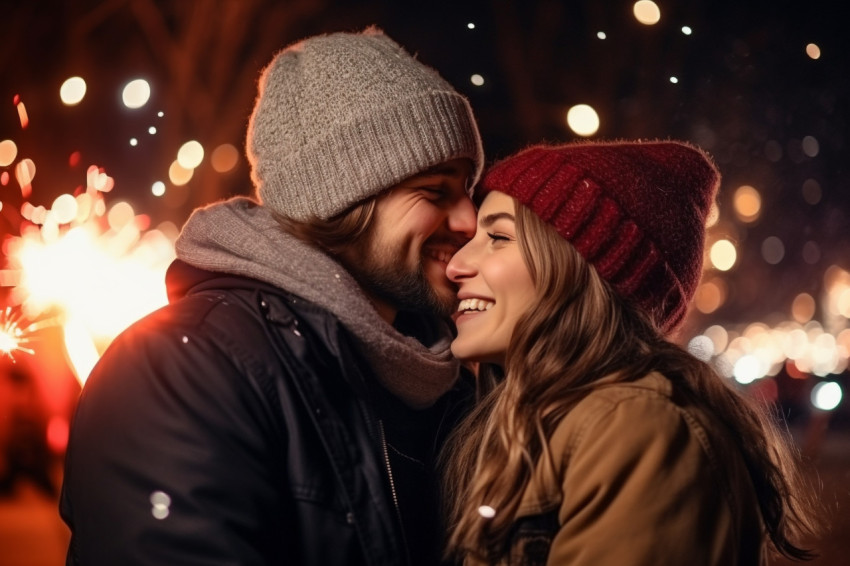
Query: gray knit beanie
column 343, row 116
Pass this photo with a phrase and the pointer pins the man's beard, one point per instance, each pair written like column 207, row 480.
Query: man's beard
column 391, row 280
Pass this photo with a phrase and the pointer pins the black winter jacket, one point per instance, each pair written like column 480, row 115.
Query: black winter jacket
column 232, row 426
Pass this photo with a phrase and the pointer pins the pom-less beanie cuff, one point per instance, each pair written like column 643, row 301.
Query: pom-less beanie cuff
column 360, row 159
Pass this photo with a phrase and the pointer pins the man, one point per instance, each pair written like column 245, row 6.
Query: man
column 287, row 405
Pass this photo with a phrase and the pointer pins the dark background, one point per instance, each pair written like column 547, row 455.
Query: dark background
column 746, row 92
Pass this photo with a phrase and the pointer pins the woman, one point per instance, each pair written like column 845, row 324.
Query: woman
column 601, row 442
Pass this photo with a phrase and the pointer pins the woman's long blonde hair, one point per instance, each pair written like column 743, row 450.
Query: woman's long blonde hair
column 579, row 332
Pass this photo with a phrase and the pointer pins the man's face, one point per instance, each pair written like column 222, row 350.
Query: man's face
column 418, row 225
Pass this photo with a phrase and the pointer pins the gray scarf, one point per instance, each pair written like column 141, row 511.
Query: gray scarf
column 241, row 237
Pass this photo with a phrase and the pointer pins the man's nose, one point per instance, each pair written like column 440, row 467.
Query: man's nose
column 462, row 217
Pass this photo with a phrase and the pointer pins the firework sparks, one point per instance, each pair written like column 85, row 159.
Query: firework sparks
column 13, row 338
column 96, row 267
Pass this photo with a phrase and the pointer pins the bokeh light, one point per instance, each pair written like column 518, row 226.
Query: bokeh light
column 723, row 255
column 772, row 250
column 811, row 191
column 190, row 154
column 647, row 12
column 179, row 175
column 8, row 152
column 826, row 395
column 72, row 91
column 747, row 203
column 583, row 120
column 136, row 93
column 710, row 296
column 803, row 308
column 224, row 158
column 813, row 50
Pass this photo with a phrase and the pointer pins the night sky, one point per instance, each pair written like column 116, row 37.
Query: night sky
column 747, row 92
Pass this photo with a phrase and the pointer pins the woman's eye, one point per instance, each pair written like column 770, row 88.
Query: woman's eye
column 498, row 237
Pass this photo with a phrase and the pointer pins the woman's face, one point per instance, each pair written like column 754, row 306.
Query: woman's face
column 494, row 285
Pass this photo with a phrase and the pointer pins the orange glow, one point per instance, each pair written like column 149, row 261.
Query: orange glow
column 803, row 308
column 710, row 296
column 793, row 371
column 178, row 174
column 25, row 172
column 22, row 114
column 8, row 152
column 57, row 434
column 747, row 203
column 224, row 158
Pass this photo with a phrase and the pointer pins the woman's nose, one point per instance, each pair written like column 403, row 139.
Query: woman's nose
column 459, row 266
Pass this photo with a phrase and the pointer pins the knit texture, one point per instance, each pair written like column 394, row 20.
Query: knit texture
column 636, row 211
column 343, row 116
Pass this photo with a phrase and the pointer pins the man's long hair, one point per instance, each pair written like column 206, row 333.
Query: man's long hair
column 579, row 332
column 334, row 234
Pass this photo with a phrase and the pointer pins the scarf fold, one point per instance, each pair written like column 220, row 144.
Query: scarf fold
column 241, row 237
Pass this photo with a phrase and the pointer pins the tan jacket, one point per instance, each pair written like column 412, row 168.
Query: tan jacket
column 639, row 479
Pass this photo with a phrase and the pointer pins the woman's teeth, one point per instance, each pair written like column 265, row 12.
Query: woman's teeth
column 475, row 305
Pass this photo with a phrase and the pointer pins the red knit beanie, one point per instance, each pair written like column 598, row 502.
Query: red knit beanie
column 634, row 210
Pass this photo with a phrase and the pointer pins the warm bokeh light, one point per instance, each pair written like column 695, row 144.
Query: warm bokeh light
column 647, row 12
column 72, row 91
column 747, row 203
column 710, row 296
column 803, row 308
column 477, row 80
column 190, row 154
column 813, row 50
column 136, row 93
column 23, row 117
column 224, row 158
column 64, row 208
column 158, row 188
column 719, row 337
column 25, row 173
column 8, row 152
column 583, row 120
column 179, row 175
column 723, row 255
column 687, row 30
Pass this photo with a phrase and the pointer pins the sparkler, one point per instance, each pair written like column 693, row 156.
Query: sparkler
column 90, row 268
column 12, row 337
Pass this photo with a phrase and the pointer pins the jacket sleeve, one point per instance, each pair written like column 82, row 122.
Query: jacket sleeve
column 168, row 460
column 640, row 488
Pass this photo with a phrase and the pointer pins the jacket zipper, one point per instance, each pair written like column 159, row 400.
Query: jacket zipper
column 393, row 490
